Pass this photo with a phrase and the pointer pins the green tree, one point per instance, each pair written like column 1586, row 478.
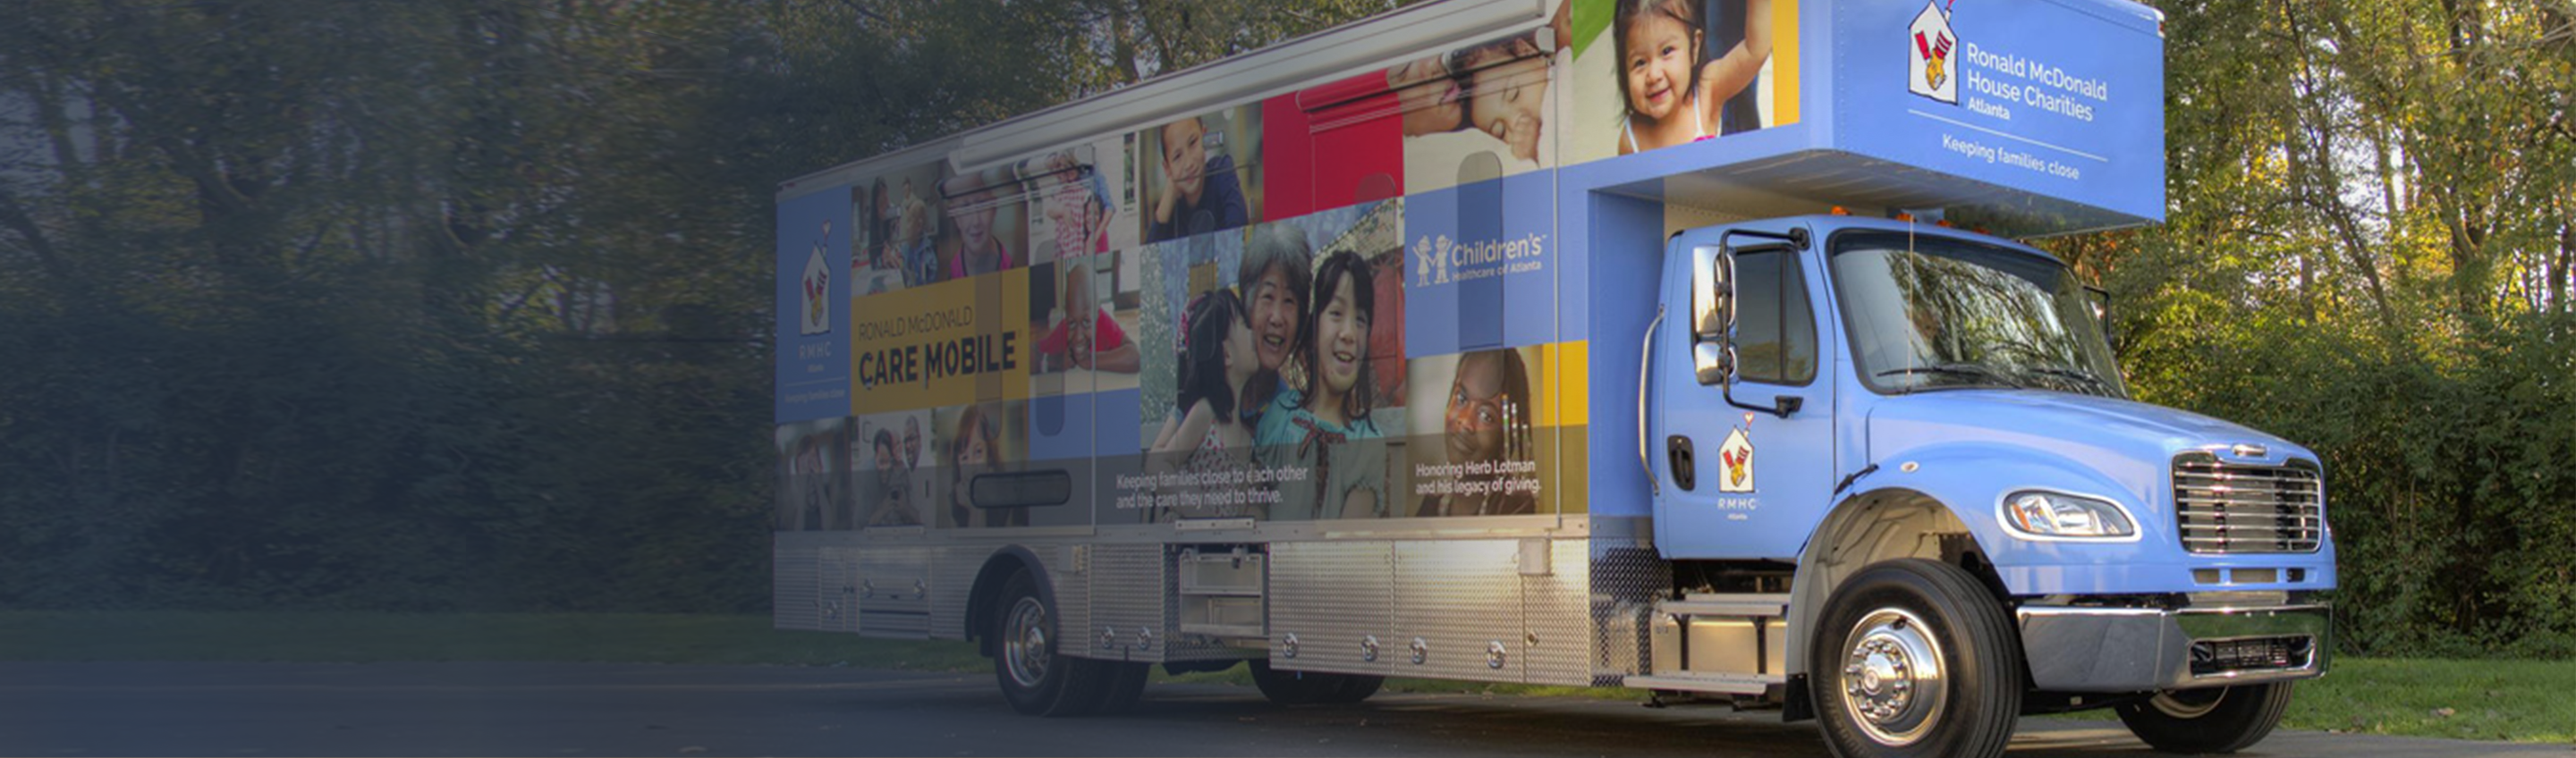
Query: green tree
column 455, row 303
column 2367, row 251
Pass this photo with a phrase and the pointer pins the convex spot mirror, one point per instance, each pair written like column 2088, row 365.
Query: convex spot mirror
column 2100, row 299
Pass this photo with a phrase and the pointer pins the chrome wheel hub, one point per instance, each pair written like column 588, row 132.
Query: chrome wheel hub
column 2188, row 704
column 1892, row 677
column 1025, row 652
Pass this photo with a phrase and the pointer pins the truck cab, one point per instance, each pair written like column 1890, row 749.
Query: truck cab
column 1927, row 430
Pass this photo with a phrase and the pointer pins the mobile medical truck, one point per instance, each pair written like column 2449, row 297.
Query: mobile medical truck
column 1634, row 343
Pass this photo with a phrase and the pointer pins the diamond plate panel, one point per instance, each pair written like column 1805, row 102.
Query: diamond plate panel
column 1556, row 610
column 1129, row 591
column 1331, row 595
column 894, row 591
column 1074, row 586
column 792, row 603
column 1626, row 578
column 953, row 570
column 1460, row 597
column 836, row 593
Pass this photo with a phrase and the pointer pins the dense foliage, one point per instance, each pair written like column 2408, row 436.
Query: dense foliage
column 2372, row 229
column 465, row 303
column 444, row 304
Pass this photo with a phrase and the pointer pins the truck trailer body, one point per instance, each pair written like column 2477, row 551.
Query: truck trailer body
column 1593, row 343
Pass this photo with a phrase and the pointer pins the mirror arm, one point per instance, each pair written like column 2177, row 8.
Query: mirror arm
column 1780, row 406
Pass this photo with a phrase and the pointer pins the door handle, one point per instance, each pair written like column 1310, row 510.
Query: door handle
column 1677, row 452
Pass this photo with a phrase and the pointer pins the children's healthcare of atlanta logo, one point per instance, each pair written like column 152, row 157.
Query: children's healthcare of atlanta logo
column 1929, row 70
column 1441, row 260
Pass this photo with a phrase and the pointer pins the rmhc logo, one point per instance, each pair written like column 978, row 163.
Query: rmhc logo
column 817, row 286
column 1928, row 67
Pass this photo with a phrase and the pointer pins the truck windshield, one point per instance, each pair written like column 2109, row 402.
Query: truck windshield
column 1929, row 312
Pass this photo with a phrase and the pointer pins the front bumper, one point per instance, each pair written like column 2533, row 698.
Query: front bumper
column 2109, row 649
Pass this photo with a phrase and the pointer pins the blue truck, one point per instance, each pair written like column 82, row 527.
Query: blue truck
column 1633, row 343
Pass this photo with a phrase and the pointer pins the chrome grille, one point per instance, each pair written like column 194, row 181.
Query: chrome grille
column 2247, row 508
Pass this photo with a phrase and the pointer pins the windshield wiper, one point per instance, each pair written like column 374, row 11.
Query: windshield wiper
column 1970, row 370
column 2072, row 373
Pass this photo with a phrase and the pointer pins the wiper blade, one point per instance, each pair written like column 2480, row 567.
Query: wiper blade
column 1970, row 370
column 2080, row 375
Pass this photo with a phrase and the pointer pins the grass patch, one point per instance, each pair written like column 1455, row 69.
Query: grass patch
column 2515, row 700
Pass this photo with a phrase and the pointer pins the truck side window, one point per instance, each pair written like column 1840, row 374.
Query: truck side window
column 1775, row 331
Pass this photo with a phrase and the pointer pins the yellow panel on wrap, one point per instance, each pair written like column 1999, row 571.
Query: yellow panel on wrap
column 1568, row 399
column 1784, row 63
column 955, row 342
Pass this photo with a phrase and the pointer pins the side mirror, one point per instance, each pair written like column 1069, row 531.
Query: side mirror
column 1712, row 314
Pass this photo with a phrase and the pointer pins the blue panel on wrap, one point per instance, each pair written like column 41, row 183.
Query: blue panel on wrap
column 1573, row 265
column 1120, row 414
column 1623, row 253
column 1062, row 426
column 2063, row 99
column 1481, row 266
column 813, row 379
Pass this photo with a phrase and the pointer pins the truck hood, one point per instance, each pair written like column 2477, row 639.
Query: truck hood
column 2131, row 442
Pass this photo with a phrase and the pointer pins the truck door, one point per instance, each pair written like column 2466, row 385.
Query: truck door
column 1748, row 456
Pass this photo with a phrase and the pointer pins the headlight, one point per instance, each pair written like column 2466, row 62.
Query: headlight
column 2044, row 515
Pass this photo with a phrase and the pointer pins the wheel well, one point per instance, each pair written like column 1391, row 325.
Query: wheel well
column 1878, row 526
column 988, row 582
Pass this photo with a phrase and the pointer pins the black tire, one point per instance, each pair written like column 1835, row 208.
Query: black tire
column 1877, row 634
column 1355, row 688
column 2214, row 720
column 1125, row 685
column 1312, row 687
column 1033, row 676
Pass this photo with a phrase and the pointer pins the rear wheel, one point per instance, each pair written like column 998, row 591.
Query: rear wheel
column 1356, row 688
column 1312, row 687
column 1036, row 680
column 2213, row 720
column 1914, row 658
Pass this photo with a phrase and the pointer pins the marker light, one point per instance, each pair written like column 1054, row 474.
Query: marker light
column 2053, row 515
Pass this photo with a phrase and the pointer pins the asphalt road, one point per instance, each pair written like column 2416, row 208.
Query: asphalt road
column 553, row 709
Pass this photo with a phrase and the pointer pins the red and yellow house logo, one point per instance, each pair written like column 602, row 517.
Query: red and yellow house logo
column 1929, row 71
column 1735, row 457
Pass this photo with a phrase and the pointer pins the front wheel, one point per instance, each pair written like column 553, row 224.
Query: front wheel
column 2213, row 720
column 1914, row 658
